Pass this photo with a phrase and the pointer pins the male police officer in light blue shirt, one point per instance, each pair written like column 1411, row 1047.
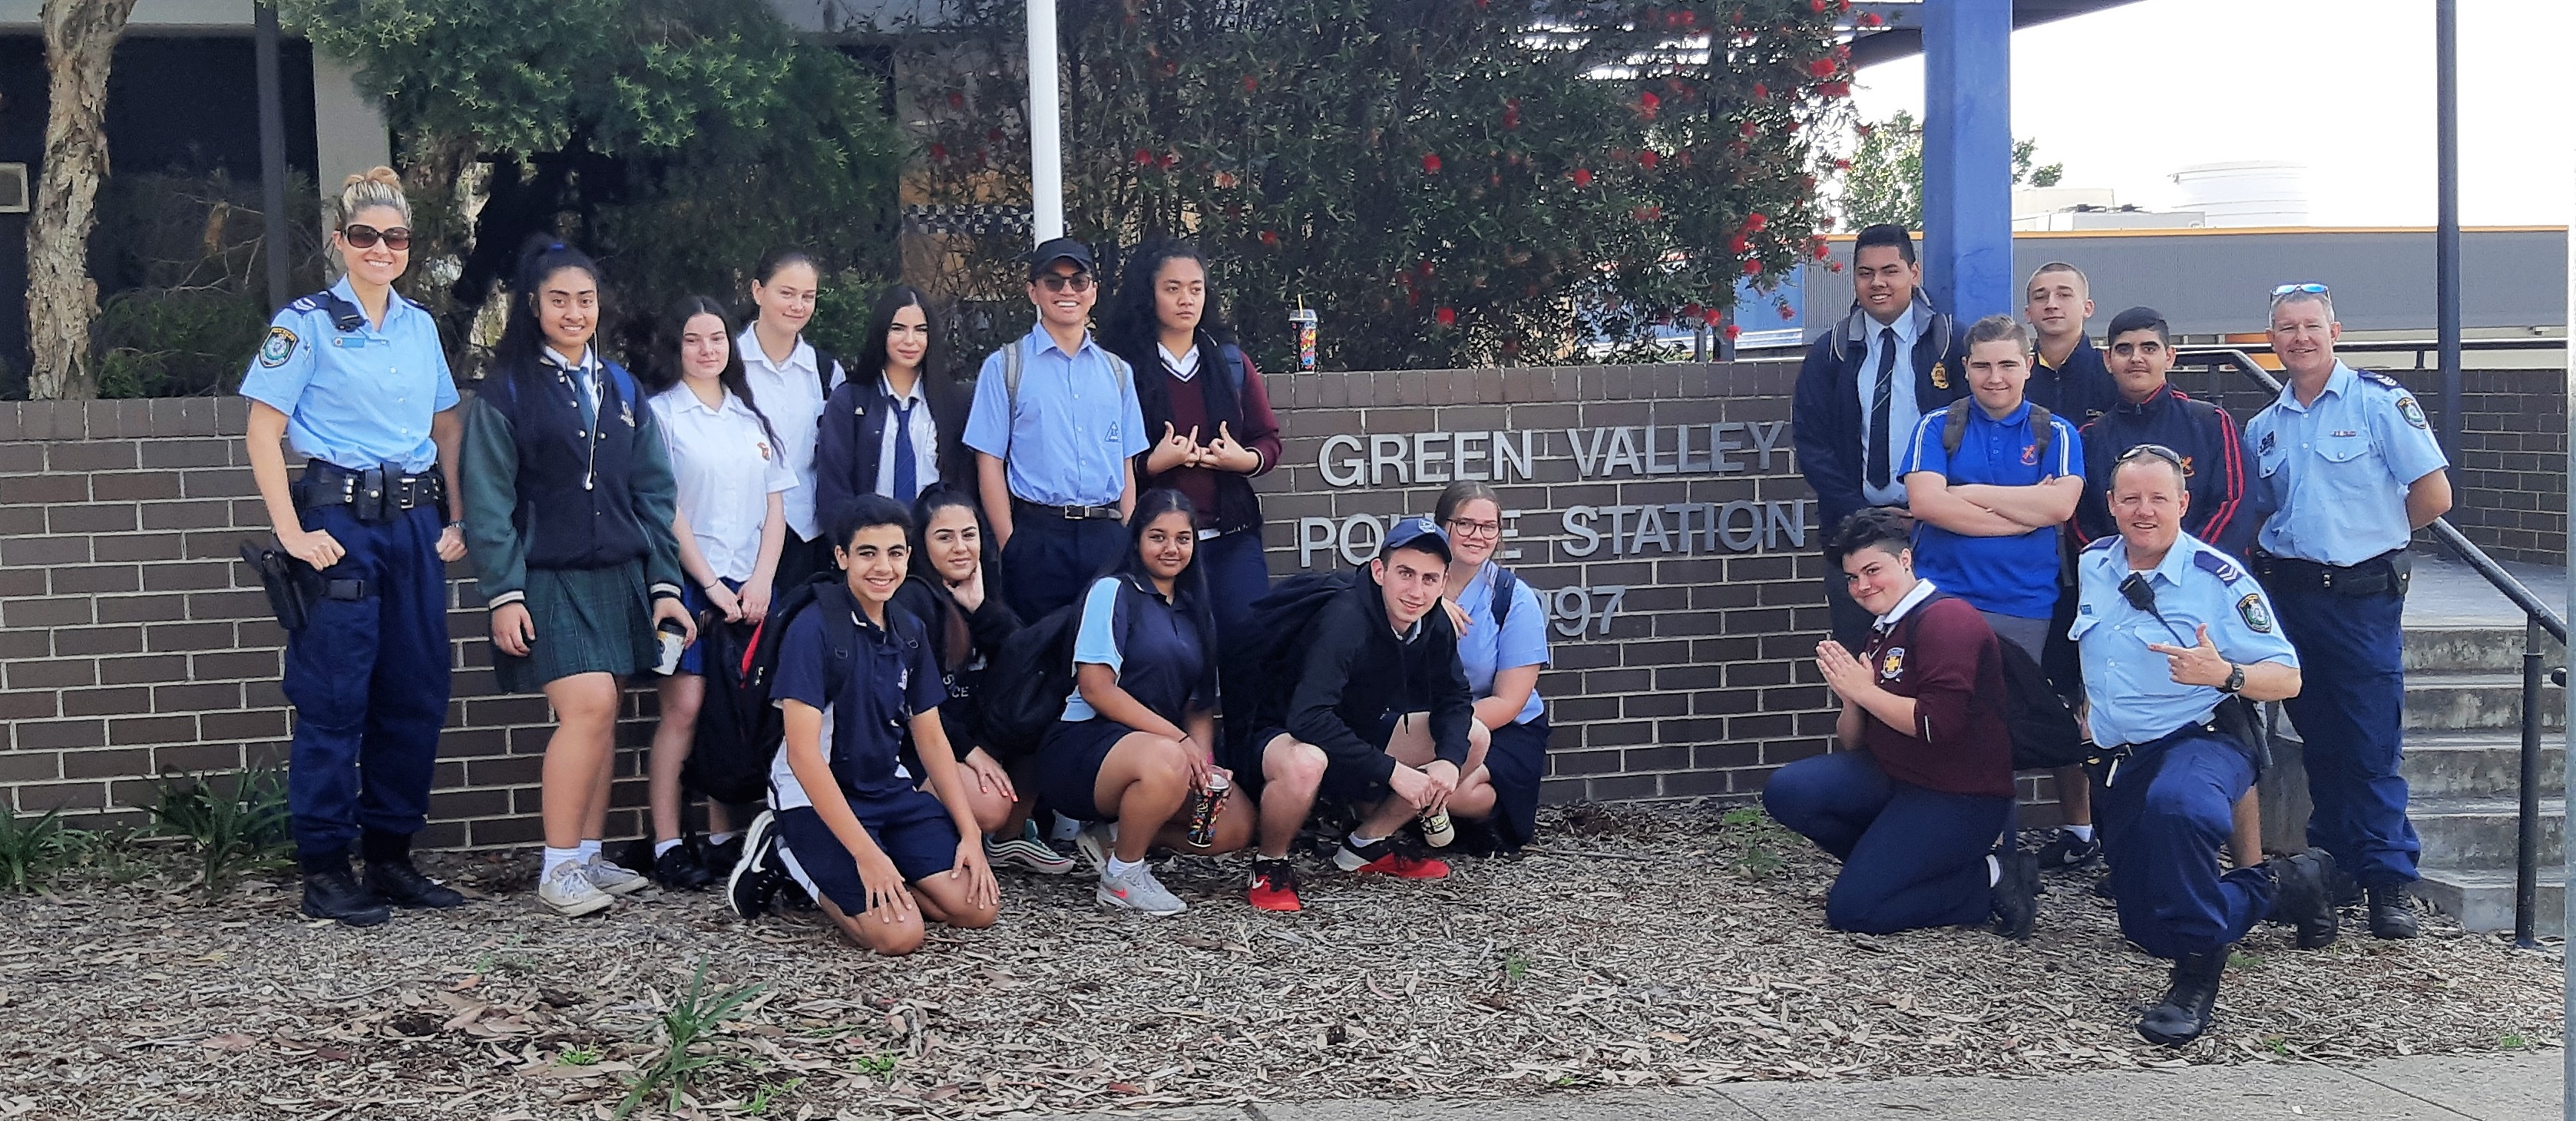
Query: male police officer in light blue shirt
column 2171, row 631
column 2349, row 469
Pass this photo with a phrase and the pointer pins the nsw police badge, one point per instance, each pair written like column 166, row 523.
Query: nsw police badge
column 2414, row 413
column 277, row 348
column 2251, row 610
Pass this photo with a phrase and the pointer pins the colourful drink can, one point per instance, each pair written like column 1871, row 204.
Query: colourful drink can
column 1205, row 805
column 1304, row 319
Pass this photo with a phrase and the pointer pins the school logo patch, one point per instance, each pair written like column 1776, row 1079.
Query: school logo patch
column 1891, row 664
column 2414, row 413
column 2030, row 456
column 1941, row 375
column 2252, row 611
column 277, row 348
column 2186, row 467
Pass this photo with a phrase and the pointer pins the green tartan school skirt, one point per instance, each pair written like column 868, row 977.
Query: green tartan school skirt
column 588, row 620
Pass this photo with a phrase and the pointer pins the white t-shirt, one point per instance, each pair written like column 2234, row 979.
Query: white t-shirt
column 726, row 469
column 793, row 399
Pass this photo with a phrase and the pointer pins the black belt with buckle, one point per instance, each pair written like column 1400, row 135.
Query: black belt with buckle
column 2380, row 575
column 1023, row 507
column 374, row 494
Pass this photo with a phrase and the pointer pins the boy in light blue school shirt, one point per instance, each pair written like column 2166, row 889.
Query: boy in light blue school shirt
column 1076, row 425
column 359, row 398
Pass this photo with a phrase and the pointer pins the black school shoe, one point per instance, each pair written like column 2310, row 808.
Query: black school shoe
column 2067, row 851
column 2191, row 1001
column 2016, row 895
column 2301, row 897
column 330, row 892
column 753, row 883
column 682, row 869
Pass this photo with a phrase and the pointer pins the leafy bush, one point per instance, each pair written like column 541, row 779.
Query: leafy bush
column 181, row 264
column 33, row 848
column 237, row 821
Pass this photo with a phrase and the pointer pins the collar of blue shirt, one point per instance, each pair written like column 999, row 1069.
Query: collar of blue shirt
column 393, row 303
column 1041, row 342
column 2338, row 383
column 1862, row 329
column 555, row 358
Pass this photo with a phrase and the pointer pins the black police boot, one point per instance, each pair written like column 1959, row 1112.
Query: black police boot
column 2300, row 897
column 395, row 880
column 2016, row 895
column 330, row 892
column 2190, row 1004
column 2390, row 915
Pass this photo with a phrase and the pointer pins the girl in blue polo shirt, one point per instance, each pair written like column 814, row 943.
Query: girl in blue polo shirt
column 1136, row 740
column 1502, row 659
column 851, row 825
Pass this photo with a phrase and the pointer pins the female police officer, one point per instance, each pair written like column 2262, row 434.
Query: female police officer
column 353, row 378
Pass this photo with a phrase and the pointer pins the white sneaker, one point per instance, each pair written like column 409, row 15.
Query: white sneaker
column 613, row 879
column 567, row 891
column 1095, row 842
column 1138, row 890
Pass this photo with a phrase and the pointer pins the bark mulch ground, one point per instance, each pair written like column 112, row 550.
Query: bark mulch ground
column 1629, row 948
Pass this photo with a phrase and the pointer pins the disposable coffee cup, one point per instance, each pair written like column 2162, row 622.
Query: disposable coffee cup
column 675, row 638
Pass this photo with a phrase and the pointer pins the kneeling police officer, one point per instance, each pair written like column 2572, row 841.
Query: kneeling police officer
column 2174, row 635
column 354, row 379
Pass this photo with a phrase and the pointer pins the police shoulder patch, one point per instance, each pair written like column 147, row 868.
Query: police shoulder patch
column 278, row 347
column 2256, row 616
column 2414, row 413
column 2218, row 565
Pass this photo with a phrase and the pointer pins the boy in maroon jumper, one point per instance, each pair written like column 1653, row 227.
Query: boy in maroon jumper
column 1921, row 791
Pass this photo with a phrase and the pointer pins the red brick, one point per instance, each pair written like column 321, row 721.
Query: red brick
column 39, row 797
column 29, row 766
column 197, row 758
column 71, row 641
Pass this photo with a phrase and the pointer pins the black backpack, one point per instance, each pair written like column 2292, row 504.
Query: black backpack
column 1954, row 427
column 1025, row 686
column 2044, row 735
column 739, row 730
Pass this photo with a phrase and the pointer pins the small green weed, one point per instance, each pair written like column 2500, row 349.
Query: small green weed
column 692, row 1018
column 33, row 848
column 2244, row 961
column 2276, row 1045
column 1758, row 840
column 578, row 1056
column 1515, row 967
column 2510, row 1042
column 236, row 821
column 879, row 1065
column 761, row 1099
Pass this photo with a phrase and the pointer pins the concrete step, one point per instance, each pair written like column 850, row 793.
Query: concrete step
column 2482, row 899
column 2479, row 764
column 2461, row 701
column 2479, row 833
column 2467, row 648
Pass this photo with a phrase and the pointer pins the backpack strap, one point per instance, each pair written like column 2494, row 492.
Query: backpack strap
column 1237, row 369
column 1011, row 363
column 824, row 362
column 1954, row 426
column 1505, row 585
column 2044, row 421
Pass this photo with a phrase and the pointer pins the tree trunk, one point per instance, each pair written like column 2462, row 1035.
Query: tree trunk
column 62, row 300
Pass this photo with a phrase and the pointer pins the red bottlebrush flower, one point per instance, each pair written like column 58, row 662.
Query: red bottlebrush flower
column 1225, row 180
column 1647, row 213
column 1732, row 330
column 1815, row 5
column 1422, row 268
column 1747, row 128
column 1144, row 158
column 1864, row 130
column 1822, row 68
column 1270, row 238
column 1649, row 158
column 1431, row 163
column 1833, row 266
column 1761, row 91
column 956, row 100
column 1711, row 316
column 1753, row 268
column 1170, row 160
column 1842, row 165
column 1787, row 312
column 1690, row 311
column 1582, row 177
column 1512, row 113
column 1870, row 19
column 1833, row 89
column 1756, row 220
column 938, row 153
column 1842, row 52
column 1820, row 247
column 1739, row 244
column 1448, row 317
column 1251, row 83
column 1648, row 103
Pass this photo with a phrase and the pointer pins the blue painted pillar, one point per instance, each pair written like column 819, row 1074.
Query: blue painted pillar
column 1967, row 157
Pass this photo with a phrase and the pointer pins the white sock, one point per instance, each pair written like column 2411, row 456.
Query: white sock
column 1119, row 867
column 589, row 850
column 2079, row 832
column 1358, row 842
column 1994, row 870
column 660, row 847
column 724, row 837
column 556, row 858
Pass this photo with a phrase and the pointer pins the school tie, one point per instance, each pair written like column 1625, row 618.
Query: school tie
column 1878, row 402
column 585, row 386
column 907, row 472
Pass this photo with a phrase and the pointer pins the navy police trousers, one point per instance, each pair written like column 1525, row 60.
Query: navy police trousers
column 369, row 681
column 2163, row 817
column 2350, row 710
column 1912, row 857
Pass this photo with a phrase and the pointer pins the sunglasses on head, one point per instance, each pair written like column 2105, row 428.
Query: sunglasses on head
column 366, row 237
column 2312, row 288
column 2157, row 450
column 1058, row 282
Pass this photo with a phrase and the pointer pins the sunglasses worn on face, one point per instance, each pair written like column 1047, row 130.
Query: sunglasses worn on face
column 1057, row 282
column 366, row 237
column 2312, row 288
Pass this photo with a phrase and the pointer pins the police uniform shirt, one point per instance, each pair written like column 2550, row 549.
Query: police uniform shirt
column 1076, row 426
column 361, row 398
column 2135, row 698
column 792, row 395
column 2336, row 469
column 894, row 679
column 925, row 439
column 726, row 469
column 2015, row 575
column 1903, row 411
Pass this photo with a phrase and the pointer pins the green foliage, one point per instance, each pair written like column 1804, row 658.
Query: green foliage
column 692, row 1019
column 1445, row 185
column 236, row 822
column 1758, row 841
column 34, row 847
column 181, row 263
column 1882, row 179
column 176, row 342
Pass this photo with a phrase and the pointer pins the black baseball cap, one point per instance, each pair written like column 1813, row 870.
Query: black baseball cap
column 1043, row 258
column 1416, row 533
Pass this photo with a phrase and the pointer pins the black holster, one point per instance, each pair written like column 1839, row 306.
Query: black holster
column 290, row 595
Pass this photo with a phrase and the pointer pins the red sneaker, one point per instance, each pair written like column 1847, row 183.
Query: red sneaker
column 1382, row 858
column 1274, row 886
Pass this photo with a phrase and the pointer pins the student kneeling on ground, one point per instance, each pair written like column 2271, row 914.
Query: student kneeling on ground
column 853, row 680
column 1380, row 718
column 1914, row 803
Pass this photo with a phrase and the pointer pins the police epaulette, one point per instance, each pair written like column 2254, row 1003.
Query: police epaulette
column 2216, row 564
column 2102, row 543
column 344, row 315
column 2380, row 378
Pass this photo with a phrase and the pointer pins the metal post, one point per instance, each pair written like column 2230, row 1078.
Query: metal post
column 1967, row 156
column 2526, row 859
column 272, row 152
column 2446, row 236
column 1046, row 127
column 2567, row 1011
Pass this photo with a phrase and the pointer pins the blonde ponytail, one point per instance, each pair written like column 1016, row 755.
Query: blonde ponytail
column 377, row 186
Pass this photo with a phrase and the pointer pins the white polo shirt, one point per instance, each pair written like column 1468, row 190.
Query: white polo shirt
column 726, row 469
column 793, row 399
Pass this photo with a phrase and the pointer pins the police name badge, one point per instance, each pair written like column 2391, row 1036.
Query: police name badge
column 277, row 348
column 1891, row 664
column 2414, row 413
column 2251, row 610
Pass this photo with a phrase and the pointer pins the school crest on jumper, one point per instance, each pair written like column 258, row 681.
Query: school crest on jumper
column 1891, row 664
column 2187, row 470
column 1941, row 375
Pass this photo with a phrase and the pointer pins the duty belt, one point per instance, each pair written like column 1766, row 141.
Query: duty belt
column 2380, row 575
column 1068, row 513
column 374, row 494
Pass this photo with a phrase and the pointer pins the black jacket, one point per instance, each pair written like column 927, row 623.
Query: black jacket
column 851, row 439
column 1826, row 420
column 1358, row 671
column 962, row 643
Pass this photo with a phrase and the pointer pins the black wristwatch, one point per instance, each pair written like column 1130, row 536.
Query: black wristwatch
column 2235, row 678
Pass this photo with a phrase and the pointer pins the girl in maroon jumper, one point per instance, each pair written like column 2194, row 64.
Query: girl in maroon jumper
column 1205, row 408
column 1915, row 801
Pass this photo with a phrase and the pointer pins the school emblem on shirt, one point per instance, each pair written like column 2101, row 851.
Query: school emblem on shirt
column 763, row 447
column 2030, row 456
column 2252, row 611
column 2187, row 471
column 2414, row 413
column 279, row 346
column 1891, row 664
column 1941, row 375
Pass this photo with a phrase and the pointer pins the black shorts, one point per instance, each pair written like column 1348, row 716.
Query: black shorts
column 1066, row 771
column 913, row 828
column 1347, row 783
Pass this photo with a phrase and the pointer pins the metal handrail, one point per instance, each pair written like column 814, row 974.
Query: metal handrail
column 2526, row 887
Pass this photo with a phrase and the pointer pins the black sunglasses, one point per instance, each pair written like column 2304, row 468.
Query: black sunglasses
column 366, row 237
column 1058, row 282
column 2157, row 450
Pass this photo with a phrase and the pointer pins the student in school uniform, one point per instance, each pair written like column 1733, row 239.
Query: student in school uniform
column 793, row 379
column 950, row 592
column 1206, row 410
column 732, row 481
column 1502, row 658
column 897, row 425
column 568, row 507
column 1137, row 740
column 877, row 849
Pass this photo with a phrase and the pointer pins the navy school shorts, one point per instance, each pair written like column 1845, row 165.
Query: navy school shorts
column 913, row 828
